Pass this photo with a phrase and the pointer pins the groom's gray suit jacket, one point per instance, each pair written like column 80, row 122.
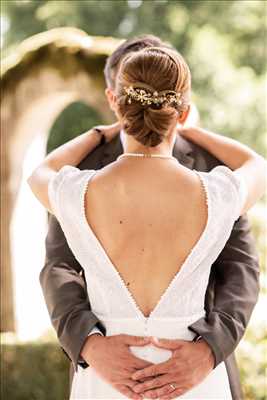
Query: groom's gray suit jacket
column 230, row 298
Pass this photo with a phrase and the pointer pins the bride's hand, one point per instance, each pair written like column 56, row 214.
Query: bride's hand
column 185, row 131
column 109, row 131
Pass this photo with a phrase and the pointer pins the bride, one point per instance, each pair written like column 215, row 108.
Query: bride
column 145, row 229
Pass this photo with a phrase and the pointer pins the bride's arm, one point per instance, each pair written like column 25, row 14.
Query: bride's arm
column 245, row 162
column 70, row 153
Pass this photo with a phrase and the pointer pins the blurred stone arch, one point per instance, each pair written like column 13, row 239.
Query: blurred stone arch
column 44, row 75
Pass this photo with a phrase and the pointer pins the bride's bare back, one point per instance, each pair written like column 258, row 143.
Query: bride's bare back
column 147, row 214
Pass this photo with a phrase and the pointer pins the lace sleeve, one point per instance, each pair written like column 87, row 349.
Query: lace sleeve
column 56, row 186
column 232, row 187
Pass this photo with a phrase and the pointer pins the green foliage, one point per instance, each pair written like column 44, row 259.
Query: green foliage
column 176, row 21
column 34, row 371
column 259, row 231
column 223, row 42
column 254, row 374
column 74, row 120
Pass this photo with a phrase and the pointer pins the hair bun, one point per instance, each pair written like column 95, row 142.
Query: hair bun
column 157, row 122
column 148, row 125
column 152, row 87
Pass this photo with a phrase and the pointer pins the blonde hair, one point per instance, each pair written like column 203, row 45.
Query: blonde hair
column 158, row 69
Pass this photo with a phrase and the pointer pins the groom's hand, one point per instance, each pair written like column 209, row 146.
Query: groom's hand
column 112, row 359
column 189, row 364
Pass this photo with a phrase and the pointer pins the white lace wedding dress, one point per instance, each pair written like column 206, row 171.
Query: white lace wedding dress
column 182, row 302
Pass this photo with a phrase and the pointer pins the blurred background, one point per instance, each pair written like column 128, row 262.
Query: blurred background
column 52, row 59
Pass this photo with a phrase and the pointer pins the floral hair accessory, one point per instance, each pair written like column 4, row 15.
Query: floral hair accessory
column 146, row 95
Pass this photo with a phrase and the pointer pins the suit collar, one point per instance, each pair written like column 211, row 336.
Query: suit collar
column 111, row 151
column 182, row 150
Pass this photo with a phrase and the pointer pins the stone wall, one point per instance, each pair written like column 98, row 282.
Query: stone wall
column 45, row 74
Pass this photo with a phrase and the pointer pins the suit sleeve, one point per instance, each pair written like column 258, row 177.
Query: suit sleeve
column 64, row 289
column 233, row 288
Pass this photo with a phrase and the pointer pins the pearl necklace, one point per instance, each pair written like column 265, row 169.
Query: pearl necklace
column 146, row 155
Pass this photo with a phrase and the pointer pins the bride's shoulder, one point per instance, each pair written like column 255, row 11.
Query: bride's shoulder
column 107, row 174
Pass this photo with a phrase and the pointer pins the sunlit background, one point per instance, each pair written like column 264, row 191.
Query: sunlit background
column 225, row 46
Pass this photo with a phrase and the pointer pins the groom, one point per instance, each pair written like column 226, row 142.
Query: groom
column 230, row 297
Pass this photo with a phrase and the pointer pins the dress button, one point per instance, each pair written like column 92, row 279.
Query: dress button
column 146, row 329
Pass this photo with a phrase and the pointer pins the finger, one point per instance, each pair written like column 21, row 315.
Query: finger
column 129, row 383
column 128, row 392
column 137, row 363
column 131, row 363
column 132, row 340
column 115, row 127
column 170, row 344
column 109, row 128
column 160, row 393
column 153, row 383
column 142, row 380
column 155, row 369
column 163, row 391
column 181, row 130
column 174, row 394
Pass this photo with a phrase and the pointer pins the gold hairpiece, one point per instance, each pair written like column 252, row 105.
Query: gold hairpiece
column 148, row 97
